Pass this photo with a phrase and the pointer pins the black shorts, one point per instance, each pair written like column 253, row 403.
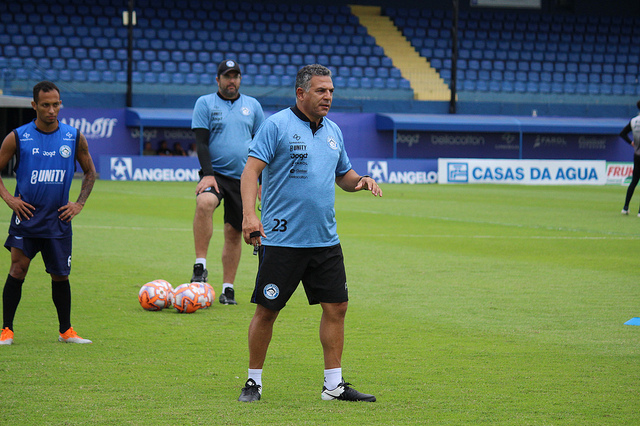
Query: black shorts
column 281, row 269
column 56, row 252
column 230, row 192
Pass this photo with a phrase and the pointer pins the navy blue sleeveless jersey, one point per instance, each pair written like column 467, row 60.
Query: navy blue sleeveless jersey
column 45, row 165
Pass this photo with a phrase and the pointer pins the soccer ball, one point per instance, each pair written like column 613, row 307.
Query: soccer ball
column 155, row 295
column 207, row 290
column 169, row 288
column 189, row 297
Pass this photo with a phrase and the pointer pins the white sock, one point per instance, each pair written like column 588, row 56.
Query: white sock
column 203, row 261
column 256, row 375
column 226, row 286
column 332, row 378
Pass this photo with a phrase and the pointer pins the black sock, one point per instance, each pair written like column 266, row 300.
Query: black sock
column 10, row 299
column 61, row 295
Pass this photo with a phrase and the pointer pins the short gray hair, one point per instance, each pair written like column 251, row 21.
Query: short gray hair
column 303, row 79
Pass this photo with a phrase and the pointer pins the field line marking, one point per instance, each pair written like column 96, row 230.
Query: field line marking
column 524, row 237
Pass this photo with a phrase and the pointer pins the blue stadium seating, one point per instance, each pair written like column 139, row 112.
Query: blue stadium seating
column 559, row 54
column 550, row 54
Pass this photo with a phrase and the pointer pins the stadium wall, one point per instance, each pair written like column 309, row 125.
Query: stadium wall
column 109, row 134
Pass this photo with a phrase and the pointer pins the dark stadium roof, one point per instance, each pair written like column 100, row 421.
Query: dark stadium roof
column 483, row 123
column 159, row 117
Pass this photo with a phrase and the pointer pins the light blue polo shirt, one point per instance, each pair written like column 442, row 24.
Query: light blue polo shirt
column 298, row 183
column 231, row 125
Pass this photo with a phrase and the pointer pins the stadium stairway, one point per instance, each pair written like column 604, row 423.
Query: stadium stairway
column 424, row 79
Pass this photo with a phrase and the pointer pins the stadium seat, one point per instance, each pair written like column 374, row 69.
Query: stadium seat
column 617, row 89
column 115, row 65
column 79, row 76
column 198, row 68
column 51, row 75
column 94, row 76
column 264, row 69
column 353, row 82
column 273, row 80
column 482, row 86
column 101, row 65
column 469, row 86
column 206, row 79
column 57, row 64
column 391, row 83
column 65, row 75
column 192, row 78
column 404, row 84
column 108, row 76
column 73, row 64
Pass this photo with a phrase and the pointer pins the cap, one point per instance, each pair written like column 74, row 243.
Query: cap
column 228, row 65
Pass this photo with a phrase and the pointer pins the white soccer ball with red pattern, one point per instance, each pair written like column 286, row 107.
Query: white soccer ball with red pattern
column 167, row 285
column 155, row 296
column 188, row 298
column 207, row 291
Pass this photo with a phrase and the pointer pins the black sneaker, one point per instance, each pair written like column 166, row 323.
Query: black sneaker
column 250, row 392
column 344, row 393
column 228, row 297
column 200, row 274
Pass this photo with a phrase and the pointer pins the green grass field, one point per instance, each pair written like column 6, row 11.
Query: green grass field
column 470, row 305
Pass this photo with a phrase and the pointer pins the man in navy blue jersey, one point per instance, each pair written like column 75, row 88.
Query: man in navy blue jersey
column 46, row 153
column 224, row 123
column 301, row 156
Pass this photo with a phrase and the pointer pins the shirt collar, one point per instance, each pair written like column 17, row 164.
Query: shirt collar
column 228, row 100
column 303, row 117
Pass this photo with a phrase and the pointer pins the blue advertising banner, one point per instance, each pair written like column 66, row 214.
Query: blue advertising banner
column 508, row 145
column 172, row 169
column 149, row 168
column 104, row 129
column 397, row 171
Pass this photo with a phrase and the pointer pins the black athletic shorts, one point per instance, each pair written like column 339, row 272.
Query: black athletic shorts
column 281, row 269
column 56, row 252
column 230, row 192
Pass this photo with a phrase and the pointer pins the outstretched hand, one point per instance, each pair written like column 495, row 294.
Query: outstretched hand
column 369, row 184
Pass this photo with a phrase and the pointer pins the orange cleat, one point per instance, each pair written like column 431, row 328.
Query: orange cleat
column 70, row 336
column 6, row 338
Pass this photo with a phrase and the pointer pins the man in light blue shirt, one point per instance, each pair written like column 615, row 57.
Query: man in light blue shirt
column 224, row 123
column 301, row 156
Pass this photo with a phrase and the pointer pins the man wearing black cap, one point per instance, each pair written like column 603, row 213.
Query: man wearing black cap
column 224, row 124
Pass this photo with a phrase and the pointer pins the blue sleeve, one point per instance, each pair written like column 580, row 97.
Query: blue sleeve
column 200, row 119
column 344, row 164
column 259, row 118
column 264, row 144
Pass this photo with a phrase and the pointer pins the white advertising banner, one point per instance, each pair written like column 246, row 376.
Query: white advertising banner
column 524, row 172
column 619, row 173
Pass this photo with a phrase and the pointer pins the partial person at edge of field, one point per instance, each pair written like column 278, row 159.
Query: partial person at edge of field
column 46, row 152
column 632, row 127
